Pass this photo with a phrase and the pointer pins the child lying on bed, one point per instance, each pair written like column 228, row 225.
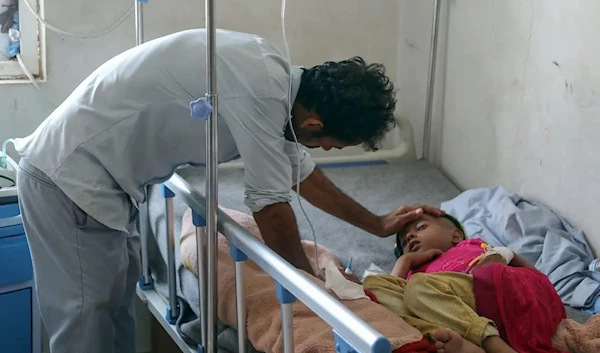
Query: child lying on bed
column 443, row 281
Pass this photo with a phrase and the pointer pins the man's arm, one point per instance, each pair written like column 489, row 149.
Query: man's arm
column 278, row 227
column 267, row 173
column 322, row 193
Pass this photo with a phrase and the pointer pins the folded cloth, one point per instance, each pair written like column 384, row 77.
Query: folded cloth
column 343, row 288
column 574, row 337
column 372, row 270
column 263, row 320
column 522, row 303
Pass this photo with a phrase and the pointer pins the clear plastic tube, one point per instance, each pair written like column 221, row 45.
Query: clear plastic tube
column 4, row 156
column 289, row 60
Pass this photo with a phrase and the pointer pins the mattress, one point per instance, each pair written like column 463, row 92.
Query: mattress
column 381, row 188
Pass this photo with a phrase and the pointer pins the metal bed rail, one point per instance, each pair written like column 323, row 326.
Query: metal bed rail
column 351, row 333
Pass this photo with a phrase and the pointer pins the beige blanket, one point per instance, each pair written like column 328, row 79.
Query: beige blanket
column 263, row 324
column 573, row 337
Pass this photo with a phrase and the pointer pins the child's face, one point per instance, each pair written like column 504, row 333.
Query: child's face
column 428, row 233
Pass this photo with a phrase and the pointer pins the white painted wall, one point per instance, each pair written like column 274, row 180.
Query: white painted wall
column 317, row 31
column 521, row 102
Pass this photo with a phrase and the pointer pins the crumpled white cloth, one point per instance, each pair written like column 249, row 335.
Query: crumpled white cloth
column 373, row 270
column 343, row 288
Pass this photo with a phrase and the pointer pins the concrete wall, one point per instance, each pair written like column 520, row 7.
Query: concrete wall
column 316, row 31
column 520, row 103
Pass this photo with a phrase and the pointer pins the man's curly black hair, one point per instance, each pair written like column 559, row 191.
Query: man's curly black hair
column 355, row 101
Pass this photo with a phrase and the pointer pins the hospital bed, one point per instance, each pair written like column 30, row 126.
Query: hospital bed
column 407, row 182
column 399, row 183
column 173, row 293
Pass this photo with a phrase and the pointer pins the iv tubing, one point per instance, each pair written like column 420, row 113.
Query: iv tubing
column 4, row 157
column 289, row 60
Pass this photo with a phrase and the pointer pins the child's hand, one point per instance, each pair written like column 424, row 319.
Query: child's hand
column 411, row 260
column 416, row 259
column 496, row 258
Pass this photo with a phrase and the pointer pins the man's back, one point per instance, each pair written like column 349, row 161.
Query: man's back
column 128, row 124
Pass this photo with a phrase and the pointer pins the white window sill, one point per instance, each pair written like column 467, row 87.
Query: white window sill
column 32, row 48
column 12, row 73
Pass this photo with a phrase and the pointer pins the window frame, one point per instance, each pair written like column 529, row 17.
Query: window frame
column 32, row 47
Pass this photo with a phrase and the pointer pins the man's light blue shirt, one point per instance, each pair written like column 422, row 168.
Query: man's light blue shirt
column 128, row 124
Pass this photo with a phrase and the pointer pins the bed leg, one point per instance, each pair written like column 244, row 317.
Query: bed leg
column 200, row 224
column 173, row 307
column 287, row 301
column 146, row 281
column 240, row 295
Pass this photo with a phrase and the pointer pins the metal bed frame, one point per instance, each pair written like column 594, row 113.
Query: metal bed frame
column 351, row 334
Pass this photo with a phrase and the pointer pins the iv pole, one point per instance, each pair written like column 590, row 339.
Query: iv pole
column 208, row 290
column 435, row 26
column 211, row 178
column 139, row 21
column 146, row 279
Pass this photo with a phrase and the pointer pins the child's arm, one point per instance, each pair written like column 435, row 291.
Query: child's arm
column 404, row 264
column 505, row 256
column 409, row 261
column 402, row 267
column 520, row 261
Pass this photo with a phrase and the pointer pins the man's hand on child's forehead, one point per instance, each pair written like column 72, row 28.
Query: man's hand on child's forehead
column 397, row 220
column 418, row 210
